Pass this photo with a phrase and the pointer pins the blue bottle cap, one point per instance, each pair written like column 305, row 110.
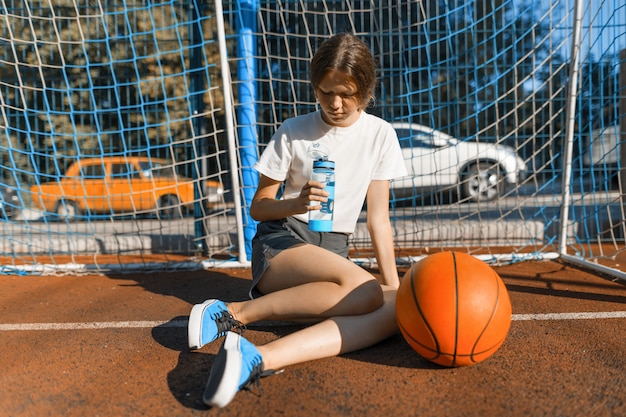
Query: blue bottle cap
column 323, row 163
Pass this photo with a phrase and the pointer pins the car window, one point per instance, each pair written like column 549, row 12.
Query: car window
column 415, row 139
column 158, row 170
column 93, row 171
column 124, row 170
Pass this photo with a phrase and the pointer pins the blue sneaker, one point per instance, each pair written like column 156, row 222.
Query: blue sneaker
column 238, row 365
column 209, row 321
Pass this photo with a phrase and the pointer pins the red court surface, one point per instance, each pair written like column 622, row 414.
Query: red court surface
column 116, row 346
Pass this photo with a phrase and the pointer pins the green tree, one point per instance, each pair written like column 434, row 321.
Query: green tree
column 84, row 79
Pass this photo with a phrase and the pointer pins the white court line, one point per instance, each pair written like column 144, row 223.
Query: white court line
column 94, row 325
column 183, row 322
column 571, row 316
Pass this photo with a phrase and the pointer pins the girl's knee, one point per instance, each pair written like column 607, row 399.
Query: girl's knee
column 370, row 296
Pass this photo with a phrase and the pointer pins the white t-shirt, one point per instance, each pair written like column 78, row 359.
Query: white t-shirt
column 365, row 151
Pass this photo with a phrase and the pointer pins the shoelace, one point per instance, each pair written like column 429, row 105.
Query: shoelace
column 226, row 322
column 256, row 374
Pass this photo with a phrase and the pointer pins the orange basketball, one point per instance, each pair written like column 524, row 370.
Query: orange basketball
column 453, row 309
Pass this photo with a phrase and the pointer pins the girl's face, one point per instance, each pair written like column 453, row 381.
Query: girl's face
column 339, row 99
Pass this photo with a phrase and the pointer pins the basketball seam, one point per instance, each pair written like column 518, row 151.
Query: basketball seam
column 456, row 309
column 493, row 314
column 419, row 309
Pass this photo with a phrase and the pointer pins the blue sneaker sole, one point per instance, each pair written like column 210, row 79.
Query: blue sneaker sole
column 194, row 328
column 223, row 383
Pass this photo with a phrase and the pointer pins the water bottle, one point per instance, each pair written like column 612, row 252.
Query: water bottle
column 322, row 220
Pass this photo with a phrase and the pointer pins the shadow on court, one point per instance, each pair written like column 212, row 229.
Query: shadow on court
column 119, row 347
column 187, row 379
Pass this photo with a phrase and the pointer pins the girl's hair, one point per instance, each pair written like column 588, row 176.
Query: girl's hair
column 347, row 53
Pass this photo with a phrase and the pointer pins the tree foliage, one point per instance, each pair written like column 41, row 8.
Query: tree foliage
column 87, row 78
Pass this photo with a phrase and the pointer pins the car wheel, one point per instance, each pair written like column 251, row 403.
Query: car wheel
column 481, row 182
column 67, row 210
column 169, row 207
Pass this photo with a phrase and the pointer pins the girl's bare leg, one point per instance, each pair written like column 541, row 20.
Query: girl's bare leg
column 307, row 282
column 333, row 336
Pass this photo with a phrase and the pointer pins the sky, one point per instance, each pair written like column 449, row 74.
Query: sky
column 603, row 32
column 604, row 27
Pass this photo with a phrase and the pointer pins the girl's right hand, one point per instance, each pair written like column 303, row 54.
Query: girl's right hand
column 311, row 195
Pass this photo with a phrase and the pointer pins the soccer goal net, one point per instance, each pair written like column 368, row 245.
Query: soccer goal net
column 128, row 130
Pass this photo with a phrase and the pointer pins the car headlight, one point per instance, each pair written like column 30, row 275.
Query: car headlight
column 213, row 193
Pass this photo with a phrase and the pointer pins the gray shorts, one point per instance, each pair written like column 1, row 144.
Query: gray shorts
column 275, row 236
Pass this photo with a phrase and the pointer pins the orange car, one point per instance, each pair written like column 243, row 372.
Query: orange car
column 121, row 185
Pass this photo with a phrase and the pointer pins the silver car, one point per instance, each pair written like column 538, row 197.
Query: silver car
column 604, row 148
column 435, row 161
